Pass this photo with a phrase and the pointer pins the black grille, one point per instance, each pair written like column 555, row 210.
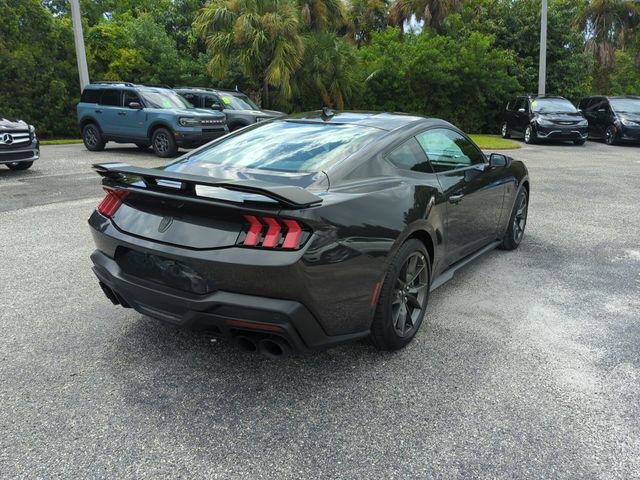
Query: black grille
column 15, row 156
column 163, row 271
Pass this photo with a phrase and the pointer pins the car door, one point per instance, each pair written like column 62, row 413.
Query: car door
column 509, row 111
column 520, row 116
column 474, row 192
column 586, row 106
column 131, row 121
column 107, row 111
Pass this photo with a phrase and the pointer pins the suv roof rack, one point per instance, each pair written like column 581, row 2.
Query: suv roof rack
column 207, row 89
column 157, row 85
column 110, row 82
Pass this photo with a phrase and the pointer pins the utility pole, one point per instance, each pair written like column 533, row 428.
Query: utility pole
column 81, row 55
column 542, row 68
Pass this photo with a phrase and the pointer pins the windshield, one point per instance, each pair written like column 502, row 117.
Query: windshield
column 164, row 99
column 627, row 105
column 552, row 105
column 283, row 146
column 238, row 102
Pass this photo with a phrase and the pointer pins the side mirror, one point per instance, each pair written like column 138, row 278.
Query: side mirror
column 135, row 106
column 521, row 110
column 497, row 160
column 216, row 106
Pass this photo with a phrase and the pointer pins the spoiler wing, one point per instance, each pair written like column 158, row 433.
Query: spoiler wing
column 291, row 196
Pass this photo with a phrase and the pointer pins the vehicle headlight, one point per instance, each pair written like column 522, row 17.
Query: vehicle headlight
column 583, row 123
column 629, row 123
column 188, row 121
column 32, row 129
column 544, row 122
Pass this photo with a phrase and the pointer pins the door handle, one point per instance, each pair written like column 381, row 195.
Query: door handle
column 98, row 111
column 456, row 198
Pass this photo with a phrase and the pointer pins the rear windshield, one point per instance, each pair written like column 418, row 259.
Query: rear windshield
column 627, row 105
column 284, row 146
column 552, row 105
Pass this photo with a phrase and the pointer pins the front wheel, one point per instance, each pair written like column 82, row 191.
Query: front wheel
column 163, row 143
column 530, row 135
column 504, row 131
column 19, row 165
column 403, row 299
column 517, row 222
column 611, row 135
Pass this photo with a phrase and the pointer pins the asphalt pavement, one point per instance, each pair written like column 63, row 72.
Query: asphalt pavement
column 528, row 365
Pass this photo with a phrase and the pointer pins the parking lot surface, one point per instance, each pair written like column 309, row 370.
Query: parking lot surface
column 528, row 365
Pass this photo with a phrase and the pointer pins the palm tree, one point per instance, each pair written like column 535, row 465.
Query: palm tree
column 322, row 15
column 432, row 12
column 608, row 24
column 366, row 17
column 262, row 35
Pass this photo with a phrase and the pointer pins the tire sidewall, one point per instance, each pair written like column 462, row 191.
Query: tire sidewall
column 508, row 242
column 387, row 338
column 173, row 148
column 99, row 140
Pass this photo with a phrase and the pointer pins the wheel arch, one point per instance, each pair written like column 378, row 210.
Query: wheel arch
column 155, row 126
column 87, row 120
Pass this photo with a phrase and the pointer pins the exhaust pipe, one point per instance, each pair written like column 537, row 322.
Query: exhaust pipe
column 246, row 344
column 273, row 347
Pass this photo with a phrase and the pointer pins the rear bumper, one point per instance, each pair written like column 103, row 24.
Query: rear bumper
column 222, row 313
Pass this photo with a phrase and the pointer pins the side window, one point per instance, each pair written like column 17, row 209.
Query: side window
column 448, row 150
column 192, row 98
column 130, row 96
column 110, row 98
column 519, row 103
column 410, row 156
column 90, row 96
column 210, row 100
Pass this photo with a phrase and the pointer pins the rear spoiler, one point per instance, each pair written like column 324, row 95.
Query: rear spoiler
column 291, row 196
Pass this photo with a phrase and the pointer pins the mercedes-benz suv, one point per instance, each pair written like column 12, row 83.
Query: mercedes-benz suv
column 144, row 115
column 19, row 146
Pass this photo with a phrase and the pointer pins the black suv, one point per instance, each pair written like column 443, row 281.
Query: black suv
column 145, row 115
column 544, row 118
column 237, row 106
column 613, row 119
column 19, row 146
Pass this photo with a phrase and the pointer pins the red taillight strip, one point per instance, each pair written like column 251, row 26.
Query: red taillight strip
column 273, row 233
column 112, row 202
column 253, row 235
column 294, row 234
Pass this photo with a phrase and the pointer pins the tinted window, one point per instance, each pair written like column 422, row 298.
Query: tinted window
column 626, row 105
column 585, row 103
column 191, row 98
column 110, row 97
column 130, row 96
column 552, row 105
column 284, row 145
column 448, row 150
column 90, row 96
column 410, row 156
column 238, row 102
column 520, row 103
column 210, row 100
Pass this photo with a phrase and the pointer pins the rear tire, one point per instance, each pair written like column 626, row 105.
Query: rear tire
column 504, row 131
column 163, row 143
column 403, row 299
column 611, row 135
column 530, row 135
column 517, row 221
column 92, row 138
column 19, row 165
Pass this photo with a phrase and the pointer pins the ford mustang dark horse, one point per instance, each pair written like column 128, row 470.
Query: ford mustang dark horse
column 306, row 231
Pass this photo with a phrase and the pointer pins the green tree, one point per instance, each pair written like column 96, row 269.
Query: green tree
column 322, row 15
column 263, row 35
column 366, row 17
column 432, row 12
column 608, row 25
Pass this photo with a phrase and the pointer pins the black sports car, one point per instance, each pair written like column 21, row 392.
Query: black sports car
column 306, row 231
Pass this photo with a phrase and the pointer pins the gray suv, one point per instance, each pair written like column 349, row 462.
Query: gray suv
column 19, row 146
column 237, row 106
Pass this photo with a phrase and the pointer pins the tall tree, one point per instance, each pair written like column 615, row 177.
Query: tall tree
column 322, row 15
column 608, row 25
column 264, row 35
column 432, row 12
column 366, row 17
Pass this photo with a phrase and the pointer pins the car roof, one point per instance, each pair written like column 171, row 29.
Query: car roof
column 210, row 90
column 383, row 120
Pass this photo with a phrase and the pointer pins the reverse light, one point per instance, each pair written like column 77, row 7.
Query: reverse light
column 110, row 204
column 268, row 232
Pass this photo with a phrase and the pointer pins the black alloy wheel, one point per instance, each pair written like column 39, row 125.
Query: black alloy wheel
column 610, row 135
column 517, row 222
column 403, row 299
column 92, row 138
column 504, row 131
column 530, row 135
column 163, row 143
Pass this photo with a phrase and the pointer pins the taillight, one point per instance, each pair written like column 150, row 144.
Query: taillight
column 110, row 204
column 269, row 232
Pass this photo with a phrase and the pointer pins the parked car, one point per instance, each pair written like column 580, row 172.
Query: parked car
column 144, row 115
column 544, row 118
column 613, row 119
column 19, row 145
column 237, row 106
column 306, row 231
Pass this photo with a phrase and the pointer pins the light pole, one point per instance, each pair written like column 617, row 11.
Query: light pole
column 78, row 38
column 542, row 68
